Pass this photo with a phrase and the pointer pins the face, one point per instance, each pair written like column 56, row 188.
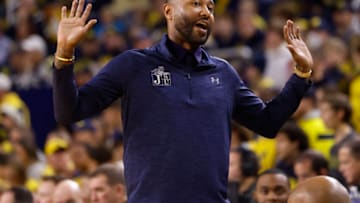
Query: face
column 349, row 166
column 272, row 188
column 44, row 192
column 102, row 192
column 7, row 197
column 328, row 115
column 234, row 167
column 189, row 21
column 303, row 170
column 284, row 147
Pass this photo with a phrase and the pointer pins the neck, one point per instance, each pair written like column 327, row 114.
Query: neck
column 182, row 42
column 245, row 184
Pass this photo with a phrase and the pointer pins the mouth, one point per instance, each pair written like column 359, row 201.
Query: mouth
column 202, row 25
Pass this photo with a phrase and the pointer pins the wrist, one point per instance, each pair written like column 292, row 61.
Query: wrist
column 300, row 72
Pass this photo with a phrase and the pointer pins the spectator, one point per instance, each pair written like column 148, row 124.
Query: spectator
column 46, row 189
column 307, row 116
column 291, row 141
column 349, row 157
column 319, row 189
column 107, row 185
column 243, row 170
column 272, row 186
column 336, row 112
column 310, row 163
column 16, row 195
column 67, row 191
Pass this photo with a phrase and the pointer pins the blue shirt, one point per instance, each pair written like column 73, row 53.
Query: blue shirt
column 176, row 119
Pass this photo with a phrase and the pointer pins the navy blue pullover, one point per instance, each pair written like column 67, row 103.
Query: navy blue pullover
column 176, row 119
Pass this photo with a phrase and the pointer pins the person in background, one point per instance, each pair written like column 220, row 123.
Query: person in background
column 319, row 189
column 291, row 141
column 243, row 171
column 107, row 185
column 310, row 163
column 336, row 112
column 67, row 191
column 16, row 195
column 46, row 189
column 272, row 185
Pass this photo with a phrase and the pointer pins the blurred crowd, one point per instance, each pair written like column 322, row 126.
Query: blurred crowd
column 42, row 160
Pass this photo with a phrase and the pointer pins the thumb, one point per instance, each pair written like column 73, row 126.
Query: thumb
column 291, row 49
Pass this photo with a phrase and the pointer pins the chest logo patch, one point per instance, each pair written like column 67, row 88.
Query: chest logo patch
column 159, row 77
column 215, row 80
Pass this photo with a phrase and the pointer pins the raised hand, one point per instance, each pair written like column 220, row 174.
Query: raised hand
column 297, row 47
column 72, row 28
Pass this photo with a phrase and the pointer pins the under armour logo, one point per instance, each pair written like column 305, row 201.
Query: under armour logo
column 160, row 77
column 215, row 80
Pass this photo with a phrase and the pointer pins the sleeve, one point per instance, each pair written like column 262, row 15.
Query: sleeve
column 72, row 104
column 267, row 118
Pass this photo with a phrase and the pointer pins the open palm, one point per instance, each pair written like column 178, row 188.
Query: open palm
column 297, row 47
column 73, row 27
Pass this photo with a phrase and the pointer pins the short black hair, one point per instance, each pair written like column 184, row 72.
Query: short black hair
column 273, row 171
column 294, row 133
column 21, row 195
column 354, row 147
column 318, row 161
column 340, row 102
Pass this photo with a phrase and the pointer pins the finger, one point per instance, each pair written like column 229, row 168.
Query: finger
column 73, row 8
column 291, row 30
column 80, row 8
column 90, row 24
column 286, row 33
column 87, row 12
column 63, row 12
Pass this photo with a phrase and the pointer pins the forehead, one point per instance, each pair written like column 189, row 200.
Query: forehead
column 272, row 181
column 98, row 180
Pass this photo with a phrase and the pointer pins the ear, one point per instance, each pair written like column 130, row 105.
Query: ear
column 120, row 189
column 167, row 10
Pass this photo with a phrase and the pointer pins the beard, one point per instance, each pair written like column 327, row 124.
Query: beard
column 186, row 27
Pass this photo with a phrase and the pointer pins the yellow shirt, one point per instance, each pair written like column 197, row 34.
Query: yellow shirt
column 265, row 149
column 320, row 138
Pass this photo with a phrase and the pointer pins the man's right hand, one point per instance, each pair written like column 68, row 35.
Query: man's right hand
column 72, row 28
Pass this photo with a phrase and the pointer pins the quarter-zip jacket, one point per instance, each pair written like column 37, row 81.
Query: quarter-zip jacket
column 176, row 119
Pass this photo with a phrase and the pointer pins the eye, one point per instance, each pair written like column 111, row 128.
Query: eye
column 211, row 8
column 196, row 3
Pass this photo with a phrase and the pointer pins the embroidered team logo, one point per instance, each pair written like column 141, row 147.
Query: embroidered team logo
column 160, row 77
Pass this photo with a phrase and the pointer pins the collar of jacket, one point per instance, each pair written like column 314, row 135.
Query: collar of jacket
column 205, row 62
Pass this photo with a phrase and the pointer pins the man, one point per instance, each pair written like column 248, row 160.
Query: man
column 310, row 163
column 46, row 189
column 177, row 101
column 107, row 185
column 67, row 191
column 319, row 189
column 16, row 195
column 243, row 171
column 349, row 161
column 336, row 111
column 272, row 185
